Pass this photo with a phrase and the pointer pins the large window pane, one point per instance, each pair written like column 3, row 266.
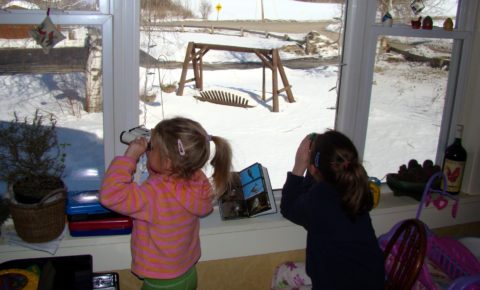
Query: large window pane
column 65, row 83
column 309, row 45
column 85, row 5
column 407, row 102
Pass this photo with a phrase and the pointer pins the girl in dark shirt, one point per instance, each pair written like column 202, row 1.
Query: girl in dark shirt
column 327, row 193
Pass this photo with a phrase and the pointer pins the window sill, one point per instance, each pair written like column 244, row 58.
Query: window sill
column 245, row 237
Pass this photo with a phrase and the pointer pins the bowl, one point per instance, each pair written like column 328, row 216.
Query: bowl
column 408, row 188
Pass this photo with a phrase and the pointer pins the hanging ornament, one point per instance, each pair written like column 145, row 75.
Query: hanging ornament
column 46, row 34
column 417, row 6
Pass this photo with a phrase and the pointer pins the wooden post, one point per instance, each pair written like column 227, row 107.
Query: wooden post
column 275, row 105
column 263, row 82
column 200, row 72
column 286, row 85
column 196, row 74
column 186, row 61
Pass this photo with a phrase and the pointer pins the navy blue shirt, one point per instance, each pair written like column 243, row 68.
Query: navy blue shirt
column 341, row 253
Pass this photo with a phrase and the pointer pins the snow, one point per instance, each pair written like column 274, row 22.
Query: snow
column 402, row 91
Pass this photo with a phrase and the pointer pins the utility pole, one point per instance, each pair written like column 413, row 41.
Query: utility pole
column 261, row 3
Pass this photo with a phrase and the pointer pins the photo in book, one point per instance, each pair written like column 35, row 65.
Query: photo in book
column 249, row 195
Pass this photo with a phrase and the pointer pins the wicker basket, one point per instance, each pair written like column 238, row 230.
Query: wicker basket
column 41, row 222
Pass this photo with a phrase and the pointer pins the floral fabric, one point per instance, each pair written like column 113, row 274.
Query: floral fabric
column 291, row 276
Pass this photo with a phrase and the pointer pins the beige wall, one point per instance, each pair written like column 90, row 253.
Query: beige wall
column 252, row 272
column 255, row 272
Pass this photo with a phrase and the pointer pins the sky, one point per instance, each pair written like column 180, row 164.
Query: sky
column 284, row 9
column 272, row 9
column 256, row 134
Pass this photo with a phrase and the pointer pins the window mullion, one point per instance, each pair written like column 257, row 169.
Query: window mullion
column 353, row 104
column 126, row 69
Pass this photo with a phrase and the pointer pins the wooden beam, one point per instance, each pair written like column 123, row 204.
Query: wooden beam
column 281, row 70
column 263, row 82
column 265, row 60
column 186, row 61
column 200, row 72
column 232, row 48
column 275, row 105
column 196, row 72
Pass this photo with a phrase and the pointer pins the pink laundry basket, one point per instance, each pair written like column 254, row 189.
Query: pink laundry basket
column 449, row 264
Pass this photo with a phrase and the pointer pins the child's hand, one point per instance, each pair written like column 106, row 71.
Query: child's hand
column 136, row 148
column 302, row 158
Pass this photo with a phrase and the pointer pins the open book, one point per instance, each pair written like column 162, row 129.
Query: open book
column 250, row 194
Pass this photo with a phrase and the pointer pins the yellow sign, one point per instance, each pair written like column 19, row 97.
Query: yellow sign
column 218, row 7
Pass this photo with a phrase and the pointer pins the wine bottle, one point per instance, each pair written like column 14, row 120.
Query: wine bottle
column 454, row 162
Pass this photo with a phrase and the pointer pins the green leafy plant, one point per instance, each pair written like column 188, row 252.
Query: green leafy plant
column 31, row 158
column 416, row 172
column 412, row 178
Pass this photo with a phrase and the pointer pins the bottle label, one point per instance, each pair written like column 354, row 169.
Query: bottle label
column 453, row 170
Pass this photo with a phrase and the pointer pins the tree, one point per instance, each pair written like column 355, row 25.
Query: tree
column 153, row 10
column 205, row 9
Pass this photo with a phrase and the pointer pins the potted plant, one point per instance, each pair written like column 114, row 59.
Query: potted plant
column 168, row 87
column 33, row 162
column 412, row 178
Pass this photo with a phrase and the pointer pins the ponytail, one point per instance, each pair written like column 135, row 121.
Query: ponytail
column 336, row 158
column 352, row 183
column 222, row 165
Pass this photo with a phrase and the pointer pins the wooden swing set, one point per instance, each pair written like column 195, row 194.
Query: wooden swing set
column 270, row 58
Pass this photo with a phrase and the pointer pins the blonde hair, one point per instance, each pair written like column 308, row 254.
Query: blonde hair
column 186, row 143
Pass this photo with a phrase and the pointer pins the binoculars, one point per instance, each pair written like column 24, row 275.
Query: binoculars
column 128, row 136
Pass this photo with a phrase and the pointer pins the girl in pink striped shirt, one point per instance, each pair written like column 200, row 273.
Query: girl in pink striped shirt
column 166, row 208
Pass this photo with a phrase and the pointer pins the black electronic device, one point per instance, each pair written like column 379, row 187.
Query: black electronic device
column 128, row 136
column 106, row 281
column 58, row 273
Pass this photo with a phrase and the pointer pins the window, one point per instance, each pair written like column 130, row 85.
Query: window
column 71, row 82
column 381, row 105
column 407, row 102
column 350, row 112
column 308, row 37
column 62, row 5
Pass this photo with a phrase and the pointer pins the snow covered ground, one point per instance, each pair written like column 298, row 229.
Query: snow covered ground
column 401, row 91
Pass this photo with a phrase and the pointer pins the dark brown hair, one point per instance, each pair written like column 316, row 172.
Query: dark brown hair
column 171, row 134
column 336, row 157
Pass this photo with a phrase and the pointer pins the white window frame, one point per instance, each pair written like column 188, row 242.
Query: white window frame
column 102, row 19
column 126, row 47
column 121, row 64
column 359, row 57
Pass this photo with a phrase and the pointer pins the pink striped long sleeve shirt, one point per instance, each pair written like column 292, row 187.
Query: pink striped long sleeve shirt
column 166, row 213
